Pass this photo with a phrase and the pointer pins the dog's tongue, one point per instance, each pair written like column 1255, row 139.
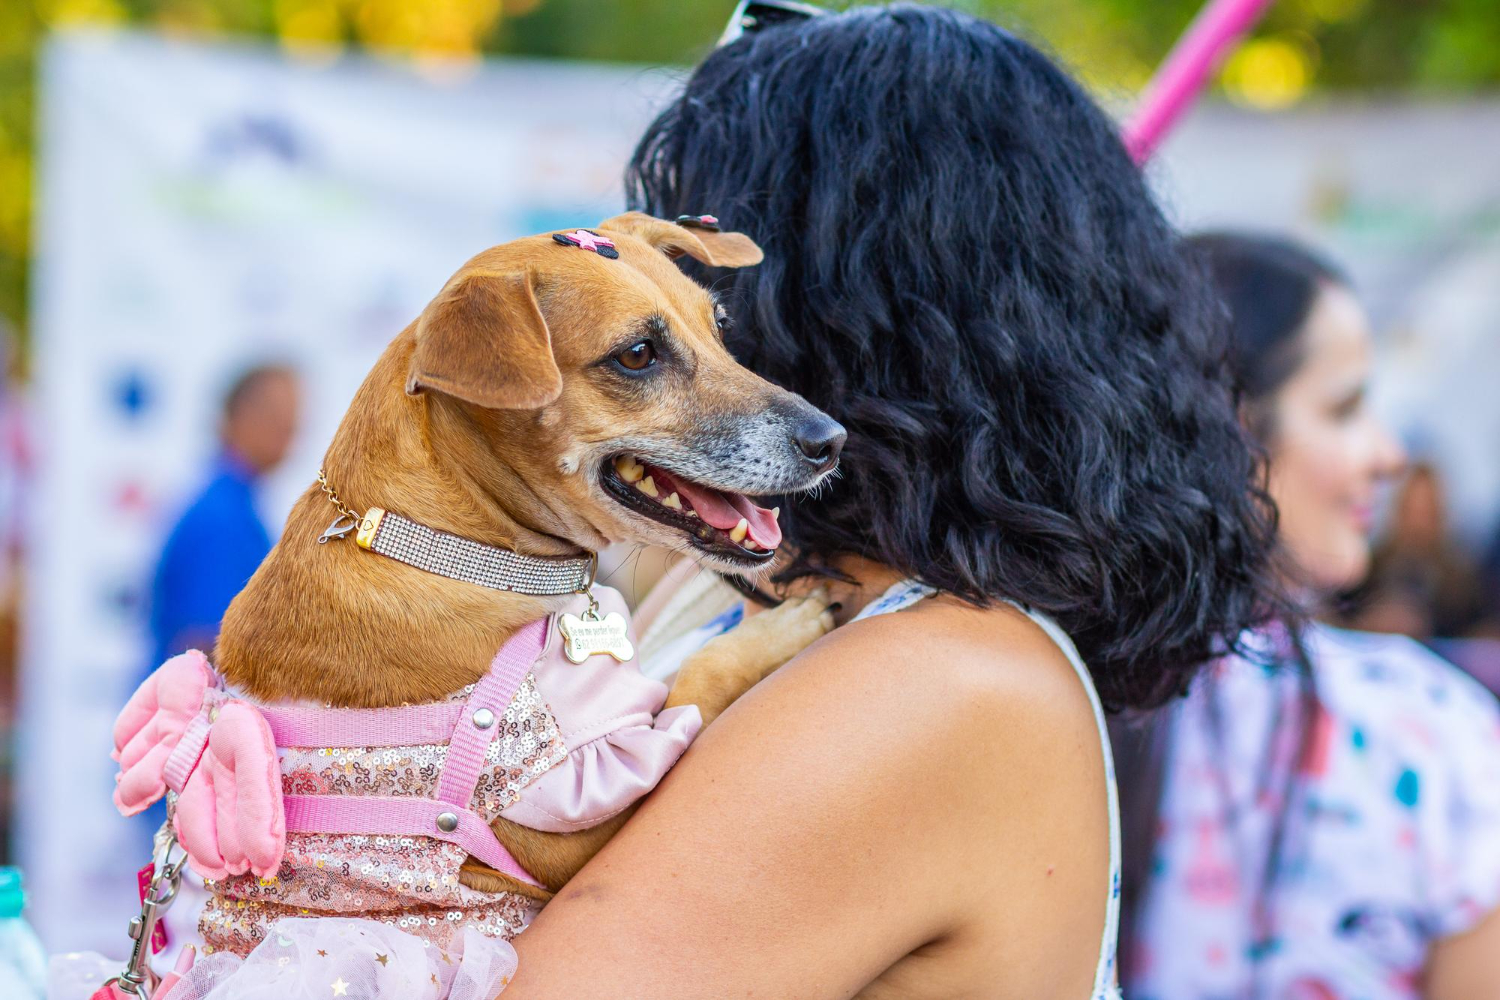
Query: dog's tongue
column 724, row 510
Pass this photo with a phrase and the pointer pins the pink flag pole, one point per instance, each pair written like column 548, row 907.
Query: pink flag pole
column 1216, row 30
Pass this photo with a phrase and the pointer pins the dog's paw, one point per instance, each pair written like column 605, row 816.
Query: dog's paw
column 731, row 664
column 780, row 633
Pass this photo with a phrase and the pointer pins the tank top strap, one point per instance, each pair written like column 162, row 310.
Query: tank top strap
column 898, row 597
column 907, row 593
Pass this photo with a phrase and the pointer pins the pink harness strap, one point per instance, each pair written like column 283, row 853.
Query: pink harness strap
column 409, row 725
column 470, row 728
column 383, row 815
column 481, row 714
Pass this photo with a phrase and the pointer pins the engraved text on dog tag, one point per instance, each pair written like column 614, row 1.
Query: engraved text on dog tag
column 589, row 635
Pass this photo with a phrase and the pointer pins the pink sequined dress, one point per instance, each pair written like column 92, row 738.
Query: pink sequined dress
column 377, row 827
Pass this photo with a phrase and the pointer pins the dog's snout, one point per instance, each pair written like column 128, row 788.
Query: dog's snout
column 819, row 438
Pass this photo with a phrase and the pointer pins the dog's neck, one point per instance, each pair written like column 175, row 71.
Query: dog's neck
column 337, row 624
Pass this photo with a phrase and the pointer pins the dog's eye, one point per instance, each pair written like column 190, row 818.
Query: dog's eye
column 638, row 356
column 721, row 319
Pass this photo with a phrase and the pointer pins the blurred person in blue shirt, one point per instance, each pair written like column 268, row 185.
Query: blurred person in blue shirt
column 220, row 539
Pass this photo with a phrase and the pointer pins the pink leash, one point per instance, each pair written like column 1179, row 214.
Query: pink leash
column 1216, row 30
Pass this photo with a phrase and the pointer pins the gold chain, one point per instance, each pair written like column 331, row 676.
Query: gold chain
column 333, row 498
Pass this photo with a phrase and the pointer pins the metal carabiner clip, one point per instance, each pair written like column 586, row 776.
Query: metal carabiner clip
column 137, row 979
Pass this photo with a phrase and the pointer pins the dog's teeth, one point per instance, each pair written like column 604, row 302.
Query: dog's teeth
column 629, row 469
column 750, row 545
column 691, row 513
column 648, row 487
column 672, row 501
column 738, row 532
column 776, row 513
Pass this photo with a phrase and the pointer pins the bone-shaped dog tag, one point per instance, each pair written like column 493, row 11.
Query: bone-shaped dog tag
column 589, row 635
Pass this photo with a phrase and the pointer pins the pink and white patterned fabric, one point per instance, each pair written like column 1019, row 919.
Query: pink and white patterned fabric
column 1393, row 839
column 298, row 810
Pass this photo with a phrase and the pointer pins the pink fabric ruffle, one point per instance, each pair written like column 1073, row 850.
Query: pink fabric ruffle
column 620, row 742
column 605, row 776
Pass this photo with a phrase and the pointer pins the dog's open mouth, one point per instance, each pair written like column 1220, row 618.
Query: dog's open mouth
column 718, row 522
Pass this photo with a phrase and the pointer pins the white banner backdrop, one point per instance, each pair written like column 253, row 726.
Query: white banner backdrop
column 204, row 208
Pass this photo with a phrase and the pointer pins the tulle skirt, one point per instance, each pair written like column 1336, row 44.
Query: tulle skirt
column 326, row 957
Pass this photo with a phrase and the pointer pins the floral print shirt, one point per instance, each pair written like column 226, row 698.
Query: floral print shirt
column 1392, row 840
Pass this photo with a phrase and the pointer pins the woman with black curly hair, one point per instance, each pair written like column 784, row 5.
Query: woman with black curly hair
column 965, row 268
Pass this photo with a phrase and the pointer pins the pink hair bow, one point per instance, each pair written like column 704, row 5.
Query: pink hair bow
column 181, row 731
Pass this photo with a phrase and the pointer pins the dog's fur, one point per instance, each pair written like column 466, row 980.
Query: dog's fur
column 491, row 417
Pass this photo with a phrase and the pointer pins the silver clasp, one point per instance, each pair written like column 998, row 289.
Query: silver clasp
column 136, row 979
column 587, row 589
column 341, row 526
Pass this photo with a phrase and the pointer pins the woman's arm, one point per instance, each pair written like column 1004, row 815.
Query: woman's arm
column 1460, row 832
column 1466, row 967
column 897, row 786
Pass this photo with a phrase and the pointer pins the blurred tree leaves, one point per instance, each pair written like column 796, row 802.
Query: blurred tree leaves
column 1303, row 46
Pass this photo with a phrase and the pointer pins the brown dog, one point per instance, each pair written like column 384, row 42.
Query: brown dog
column 550, row 400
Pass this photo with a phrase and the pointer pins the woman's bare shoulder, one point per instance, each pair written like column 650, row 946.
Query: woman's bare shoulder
column 989, row 710
column 970, row 665
column 1016, row 781
column 918, row 783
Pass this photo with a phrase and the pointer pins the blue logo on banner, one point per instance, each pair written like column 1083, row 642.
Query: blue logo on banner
column 133, row 394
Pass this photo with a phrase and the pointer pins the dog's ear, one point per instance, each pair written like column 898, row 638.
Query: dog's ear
column 712, row 247
column 483, row 339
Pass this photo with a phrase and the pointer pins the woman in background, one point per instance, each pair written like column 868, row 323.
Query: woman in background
column 1321, row 819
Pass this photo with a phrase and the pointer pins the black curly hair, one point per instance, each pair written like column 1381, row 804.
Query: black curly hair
column 964, row 267
column 1269, row 285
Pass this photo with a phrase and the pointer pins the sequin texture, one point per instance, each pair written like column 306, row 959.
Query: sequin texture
column 411, row 882
column 525, row 745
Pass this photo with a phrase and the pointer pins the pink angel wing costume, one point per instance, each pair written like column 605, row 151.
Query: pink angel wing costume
column 297, row 811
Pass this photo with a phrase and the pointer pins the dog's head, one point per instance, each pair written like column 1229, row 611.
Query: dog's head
column 595, row 372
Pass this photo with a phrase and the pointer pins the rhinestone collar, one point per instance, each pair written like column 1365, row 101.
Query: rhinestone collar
column 458, row 558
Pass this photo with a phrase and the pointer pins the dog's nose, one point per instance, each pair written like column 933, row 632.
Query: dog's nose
column 820, row 439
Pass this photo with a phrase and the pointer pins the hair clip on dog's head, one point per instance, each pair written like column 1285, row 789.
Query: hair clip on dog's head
column 708, row 222
column 587, row 240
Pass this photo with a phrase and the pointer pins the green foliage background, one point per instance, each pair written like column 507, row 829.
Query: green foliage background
column 1427, row 46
